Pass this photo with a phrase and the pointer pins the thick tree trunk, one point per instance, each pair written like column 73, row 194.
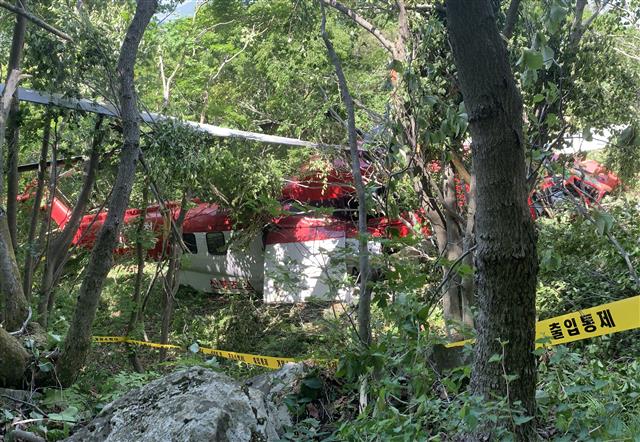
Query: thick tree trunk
column 58, row 249
column 27, row 280
column 13, row 362
column 78, row 339
column 506, row 263
column 13, row 129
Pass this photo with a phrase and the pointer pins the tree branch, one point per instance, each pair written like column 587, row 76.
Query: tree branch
column 578, row 27
column 512, row 18
column 36, row 20
column 363, row 23
column 612, row 239
column 364, row 303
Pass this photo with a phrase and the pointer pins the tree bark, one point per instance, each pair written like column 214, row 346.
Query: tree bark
column 78, row 340
column 468, row 243
column 13, row 357
column 506, row 263
column 16, row 306
column 13, row 362
column 452, row 300
column 13, row 129
column 58, row 249
column 511, row 19
column 27, row 280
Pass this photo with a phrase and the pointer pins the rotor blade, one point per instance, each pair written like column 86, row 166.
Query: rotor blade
column 58, row 100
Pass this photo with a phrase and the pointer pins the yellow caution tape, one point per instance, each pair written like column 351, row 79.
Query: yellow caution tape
column 263, row 361
column 584, row 324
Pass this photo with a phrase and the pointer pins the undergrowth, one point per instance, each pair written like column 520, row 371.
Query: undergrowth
column 587, row 391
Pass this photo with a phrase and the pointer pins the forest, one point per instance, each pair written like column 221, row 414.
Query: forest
column 319, row 220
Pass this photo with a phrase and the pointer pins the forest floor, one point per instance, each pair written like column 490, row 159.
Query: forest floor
column 587, row 390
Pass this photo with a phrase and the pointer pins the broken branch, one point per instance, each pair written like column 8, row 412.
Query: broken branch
column 35, row 20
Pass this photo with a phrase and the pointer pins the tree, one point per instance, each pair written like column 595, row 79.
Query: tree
column 506, row 263
column 13, row 128
column 14, row 357
column 364, row 301
column 78, row 339
column 57, row 250
column 428, row 126
column 15, row 303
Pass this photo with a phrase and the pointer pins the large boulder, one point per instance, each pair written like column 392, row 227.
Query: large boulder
column 277, row 385
column 196, row 404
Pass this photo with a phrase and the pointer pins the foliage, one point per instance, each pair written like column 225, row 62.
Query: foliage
column 580, row 268
column 586, row 396
column 259, row 65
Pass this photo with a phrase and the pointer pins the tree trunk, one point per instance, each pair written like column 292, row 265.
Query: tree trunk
column 16, row 306
column 58, row 249
column 27, row 280
column 78, row 339
column 136, row 308
column 452, row 249
column 364, row 301
column 506, row 263
column 15, row 57
column 171, row 282
column 13, row 358
column 13, row 362
column 468, row 243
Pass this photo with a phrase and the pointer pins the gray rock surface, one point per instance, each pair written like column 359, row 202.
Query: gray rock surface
column 196, row 404
column 278, row 384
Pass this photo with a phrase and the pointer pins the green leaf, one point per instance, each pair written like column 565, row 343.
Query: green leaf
column 552, row 119
column 604, row 222
column 538, row 98
column 423, row 313
column 68, row 415
column 557, row 14
column 495, row 358
column 54, row 338
column 531, row 59
column 519, row 420
column 314, row 383
column 510, row 377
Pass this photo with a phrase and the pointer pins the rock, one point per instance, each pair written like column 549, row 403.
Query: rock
column 10, row 396
column 196, row 404
column 276, row 385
